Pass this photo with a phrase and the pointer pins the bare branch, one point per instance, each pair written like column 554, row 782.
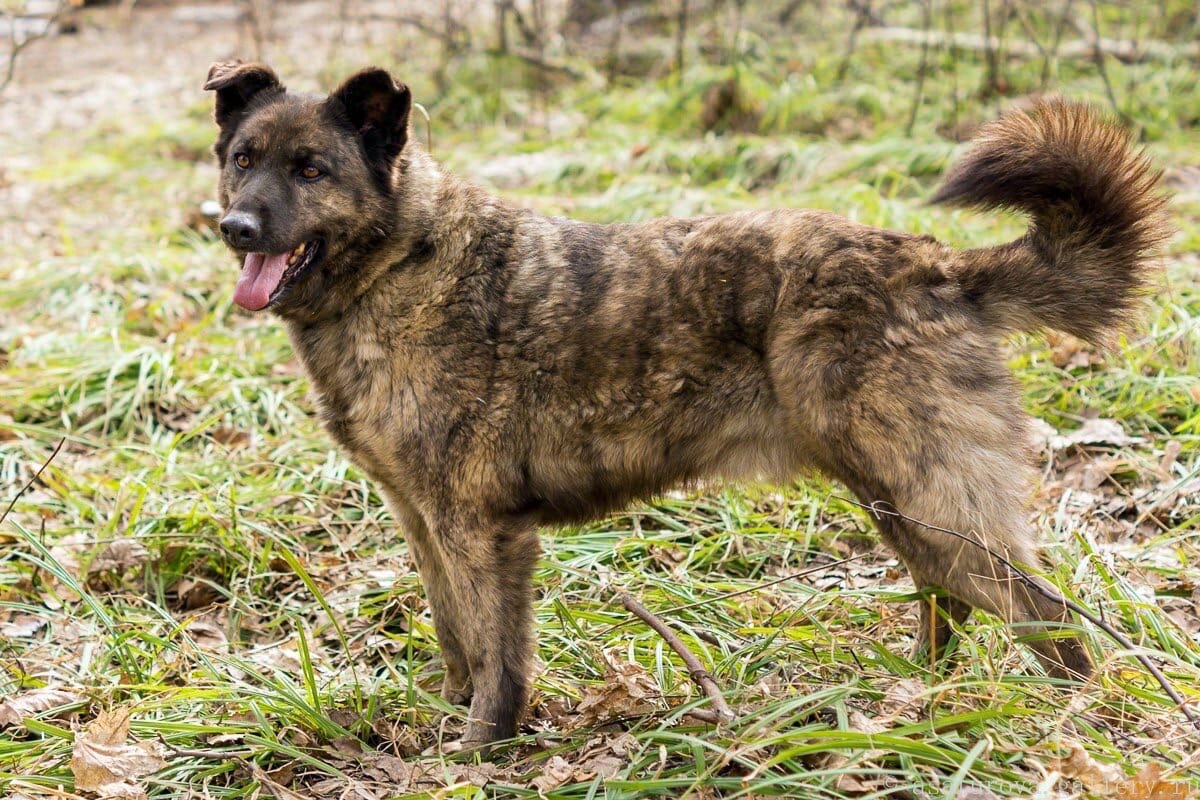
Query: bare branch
column 17, row 42
column 33, row 480
column 721, row 710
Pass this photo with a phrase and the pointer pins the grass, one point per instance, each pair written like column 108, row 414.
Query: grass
column 269, row 626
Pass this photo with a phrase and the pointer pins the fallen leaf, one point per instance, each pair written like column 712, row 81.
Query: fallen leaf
column 1098, row 431
column 1149, row 785
column 230, row 437
column 22, row 626
column 556, row 772
column 628, row 689
column 276, row 790
column 7, row 433
column 103, row 763
column 28, row 704
column 119, row 555
column 1095, row 777
column 208, row 635
column 903, row 698
column 975, row 793
column 1067, row 352
column 861, row 723
column 1092, row 473
column 1171, row 452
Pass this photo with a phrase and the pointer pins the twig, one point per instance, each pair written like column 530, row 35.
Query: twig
column 756, row 588
column 696, row 671
column 877, row 509
column 1122, row 51
column 1098, row 59
column 923, row 69
column 181, row 752
column 681, row 24
column 33, row 480
column 16, row 44
column 1052, row 57
column 862, row 13
column 546, row 65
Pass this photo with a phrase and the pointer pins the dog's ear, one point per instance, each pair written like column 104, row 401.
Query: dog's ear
column 378, row 108
column 236, row 84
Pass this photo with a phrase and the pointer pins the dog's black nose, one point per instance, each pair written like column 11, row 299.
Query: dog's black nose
column 241, row 229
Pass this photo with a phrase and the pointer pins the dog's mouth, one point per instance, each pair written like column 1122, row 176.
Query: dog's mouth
column 266, row 276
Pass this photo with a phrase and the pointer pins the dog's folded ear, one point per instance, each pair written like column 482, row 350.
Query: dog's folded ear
column 378, row 108
column 236, row 84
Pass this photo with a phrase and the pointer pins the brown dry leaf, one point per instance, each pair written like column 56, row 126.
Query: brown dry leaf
column 208, row 635
column 975, row 793
column 118, row 556
column 903, row 698
column 273, row 789
column 475, row 774
column 628, row 689
column 861, row 723
column 1097, row 431
column 27, row 704
column 1091, row 474
column 103, row 763
column 556, row 772
column 1171, row 452
column 1149, row 785
column 67, row 550
column 230, row 437
column 7, row 433
column 22, row 626
column 1067, row 352
column 606, row 766
column 1095, row 777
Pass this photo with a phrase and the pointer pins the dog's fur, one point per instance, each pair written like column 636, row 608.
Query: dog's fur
column 494, row 370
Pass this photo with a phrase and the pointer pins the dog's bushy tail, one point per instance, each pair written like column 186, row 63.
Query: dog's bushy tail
column 1097, row 220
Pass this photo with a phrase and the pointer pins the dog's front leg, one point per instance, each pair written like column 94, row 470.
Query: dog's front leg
column 489, row 569
column 443, row 603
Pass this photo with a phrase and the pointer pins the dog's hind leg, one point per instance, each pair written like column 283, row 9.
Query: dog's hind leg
column 975, row 489
column 938, row 616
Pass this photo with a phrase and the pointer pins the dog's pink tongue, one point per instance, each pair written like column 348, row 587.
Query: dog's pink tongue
column 261, row 273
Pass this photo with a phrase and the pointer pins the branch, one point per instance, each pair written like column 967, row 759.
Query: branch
column 1122, row 51
column 17, row 44
column 721, row 710
column 33, row 480
column 878, row 510
column 535, row 60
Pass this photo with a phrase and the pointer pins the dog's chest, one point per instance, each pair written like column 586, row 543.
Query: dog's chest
column 366, row 399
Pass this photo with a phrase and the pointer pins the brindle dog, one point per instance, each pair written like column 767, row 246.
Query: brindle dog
column 494, row 370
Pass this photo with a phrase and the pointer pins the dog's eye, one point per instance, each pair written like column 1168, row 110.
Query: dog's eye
column 242, row 160
column 310, row 172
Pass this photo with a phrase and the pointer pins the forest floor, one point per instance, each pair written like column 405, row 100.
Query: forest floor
column 200, row 597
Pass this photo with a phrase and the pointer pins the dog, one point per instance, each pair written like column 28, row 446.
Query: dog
column 493, row 370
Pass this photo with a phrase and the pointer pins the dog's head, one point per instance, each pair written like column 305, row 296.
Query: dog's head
column 305, row 180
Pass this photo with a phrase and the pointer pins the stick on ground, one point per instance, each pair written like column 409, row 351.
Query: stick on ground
column 721, row 710
column 34, row 479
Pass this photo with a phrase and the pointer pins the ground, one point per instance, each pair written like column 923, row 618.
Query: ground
column 198, row 570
